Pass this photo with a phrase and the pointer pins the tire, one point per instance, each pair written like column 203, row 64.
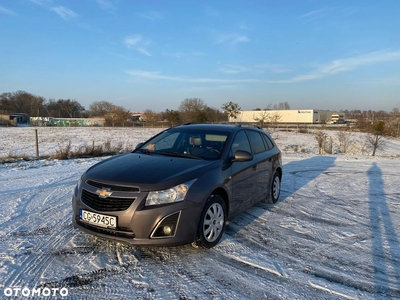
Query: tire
column 275, row 191
column 212, row 222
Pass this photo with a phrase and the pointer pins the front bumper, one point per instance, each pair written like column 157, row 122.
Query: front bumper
column 140, row 224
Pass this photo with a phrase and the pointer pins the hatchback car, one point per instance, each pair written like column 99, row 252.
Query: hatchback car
column 180, row 186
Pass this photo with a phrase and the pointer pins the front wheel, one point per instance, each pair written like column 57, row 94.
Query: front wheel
column 212, row 222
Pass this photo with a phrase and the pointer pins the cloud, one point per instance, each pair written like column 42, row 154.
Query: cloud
column 136, row 42
column 314, row 15
column 273, row 68
column 233, row 69
column 64, row 12
column 106, row 5
column 152, row 16
column 334, row 67
column 183, row 55
column 158, row 76
column 231, row 38
column 347, row 64
column 6, row 11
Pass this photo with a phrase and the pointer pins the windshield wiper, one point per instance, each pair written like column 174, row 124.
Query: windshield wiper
column 177, row 154
column 144, row 150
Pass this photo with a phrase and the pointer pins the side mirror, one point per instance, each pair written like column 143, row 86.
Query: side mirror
column 242, row 156
column 139, row 145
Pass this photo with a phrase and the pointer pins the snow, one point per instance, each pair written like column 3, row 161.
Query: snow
column 334, row 234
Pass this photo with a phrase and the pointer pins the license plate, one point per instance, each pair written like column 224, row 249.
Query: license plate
column 98, row 219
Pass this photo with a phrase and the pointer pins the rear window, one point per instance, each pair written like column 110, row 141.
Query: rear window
column 268, row 142
column 256, row 142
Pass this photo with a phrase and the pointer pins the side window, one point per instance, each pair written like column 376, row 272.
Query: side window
column 256, row 141
column 268, row 142
column 241, row 142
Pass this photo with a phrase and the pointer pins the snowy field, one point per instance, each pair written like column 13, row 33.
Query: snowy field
column 334, row 234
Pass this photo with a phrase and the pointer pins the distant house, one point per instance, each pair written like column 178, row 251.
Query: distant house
column 15, row 119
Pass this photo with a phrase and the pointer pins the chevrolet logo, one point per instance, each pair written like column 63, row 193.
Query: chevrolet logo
column 104, row 193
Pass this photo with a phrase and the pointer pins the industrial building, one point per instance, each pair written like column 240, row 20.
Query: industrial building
column 298, row 116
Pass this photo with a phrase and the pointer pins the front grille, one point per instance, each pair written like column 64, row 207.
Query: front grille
column 112, row 187
column 105, row 204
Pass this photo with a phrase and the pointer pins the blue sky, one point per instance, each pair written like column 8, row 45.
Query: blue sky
column 154, row 54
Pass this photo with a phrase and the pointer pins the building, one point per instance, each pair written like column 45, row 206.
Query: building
column 16, row 119
column 297, row 116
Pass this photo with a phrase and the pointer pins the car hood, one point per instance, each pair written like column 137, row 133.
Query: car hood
column 148, row 171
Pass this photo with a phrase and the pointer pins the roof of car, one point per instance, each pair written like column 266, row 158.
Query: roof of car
column 209, row 126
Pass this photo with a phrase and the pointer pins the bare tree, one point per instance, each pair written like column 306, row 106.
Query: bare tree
column 282, row 106
column 151, row 117
column 22, row 102
column 100, row 108
column 344, row 138
column 172, row 116
column 320, row 137
column 232, row 109
column 70, row 108
column 118, row 116
column 375, row 138
column 193, row 110
column 274, row 119
column 261, row 117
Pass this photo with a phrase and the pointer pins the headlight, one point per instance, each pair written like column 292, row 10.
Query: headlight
column 175, row 194
column 78, row 186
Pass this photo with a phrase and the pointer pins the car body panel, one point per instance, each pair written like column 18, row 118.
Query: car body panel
column 130, row 177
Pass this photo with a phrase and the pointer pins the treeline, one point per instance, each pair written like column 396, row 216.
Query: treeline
column 190, row 110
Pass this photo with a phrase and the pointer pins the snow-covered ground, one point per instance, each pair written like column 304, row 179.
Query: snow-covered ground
column 334, row 234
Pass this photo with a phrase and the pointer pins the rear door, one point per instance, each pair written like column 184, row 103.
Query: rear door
column 262, row 165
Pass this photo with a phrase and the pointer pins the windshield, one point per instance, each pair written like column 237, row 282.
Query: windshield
column 202, row 144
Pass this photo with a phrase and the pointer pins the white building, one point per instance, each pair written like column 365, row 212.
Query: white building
column 305, row 116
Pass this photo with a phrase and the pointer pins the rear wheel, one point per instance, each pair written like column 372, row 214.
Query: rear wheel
column 275, row 189
column 212, row 222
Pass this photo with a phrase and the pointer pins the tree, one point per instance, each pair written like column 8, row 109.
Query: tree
column 172, row 116
column 344, row 138
column 70, row 108
column 261, row 117
column 193, row 110
column 320, row 137
column 375, row 138
column 100, row 108
column 282, row 106
column 22, row 102
column 118, row 116
column 151, row 117
column 232, row 109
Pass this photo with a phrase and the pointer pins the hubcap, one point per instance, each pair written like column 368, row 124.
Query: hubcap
column 213, row 222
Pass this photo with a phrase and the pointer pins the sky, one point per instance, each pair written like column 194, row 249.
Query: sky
column 154, row 54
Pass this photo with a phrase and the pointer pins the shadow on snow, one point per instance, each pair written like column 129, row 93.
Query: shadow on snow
column 385, row 243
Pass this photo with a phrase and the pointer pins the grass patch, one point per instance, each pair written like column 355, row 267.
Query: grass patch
column 66, row 151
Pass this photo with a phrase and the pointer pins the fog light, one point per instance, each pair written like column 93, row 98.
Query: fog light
column 167, row 230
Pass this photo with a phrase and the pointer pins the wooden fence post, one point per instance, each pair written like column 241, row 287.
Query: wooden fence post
column 37, row 143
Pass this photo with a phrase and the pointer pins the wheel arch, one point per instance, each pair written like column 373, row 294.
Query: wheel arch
column 224, row 195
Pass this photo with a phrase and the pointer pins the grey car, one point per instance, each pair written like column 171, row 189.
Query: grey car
column 179, row 187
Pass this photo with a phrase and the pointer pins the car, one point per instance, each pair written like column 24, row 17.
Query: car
column 179, row 187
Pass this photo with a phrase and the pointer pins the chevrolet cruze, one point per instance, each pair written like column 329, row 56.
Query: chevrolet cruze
column 179, row 187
